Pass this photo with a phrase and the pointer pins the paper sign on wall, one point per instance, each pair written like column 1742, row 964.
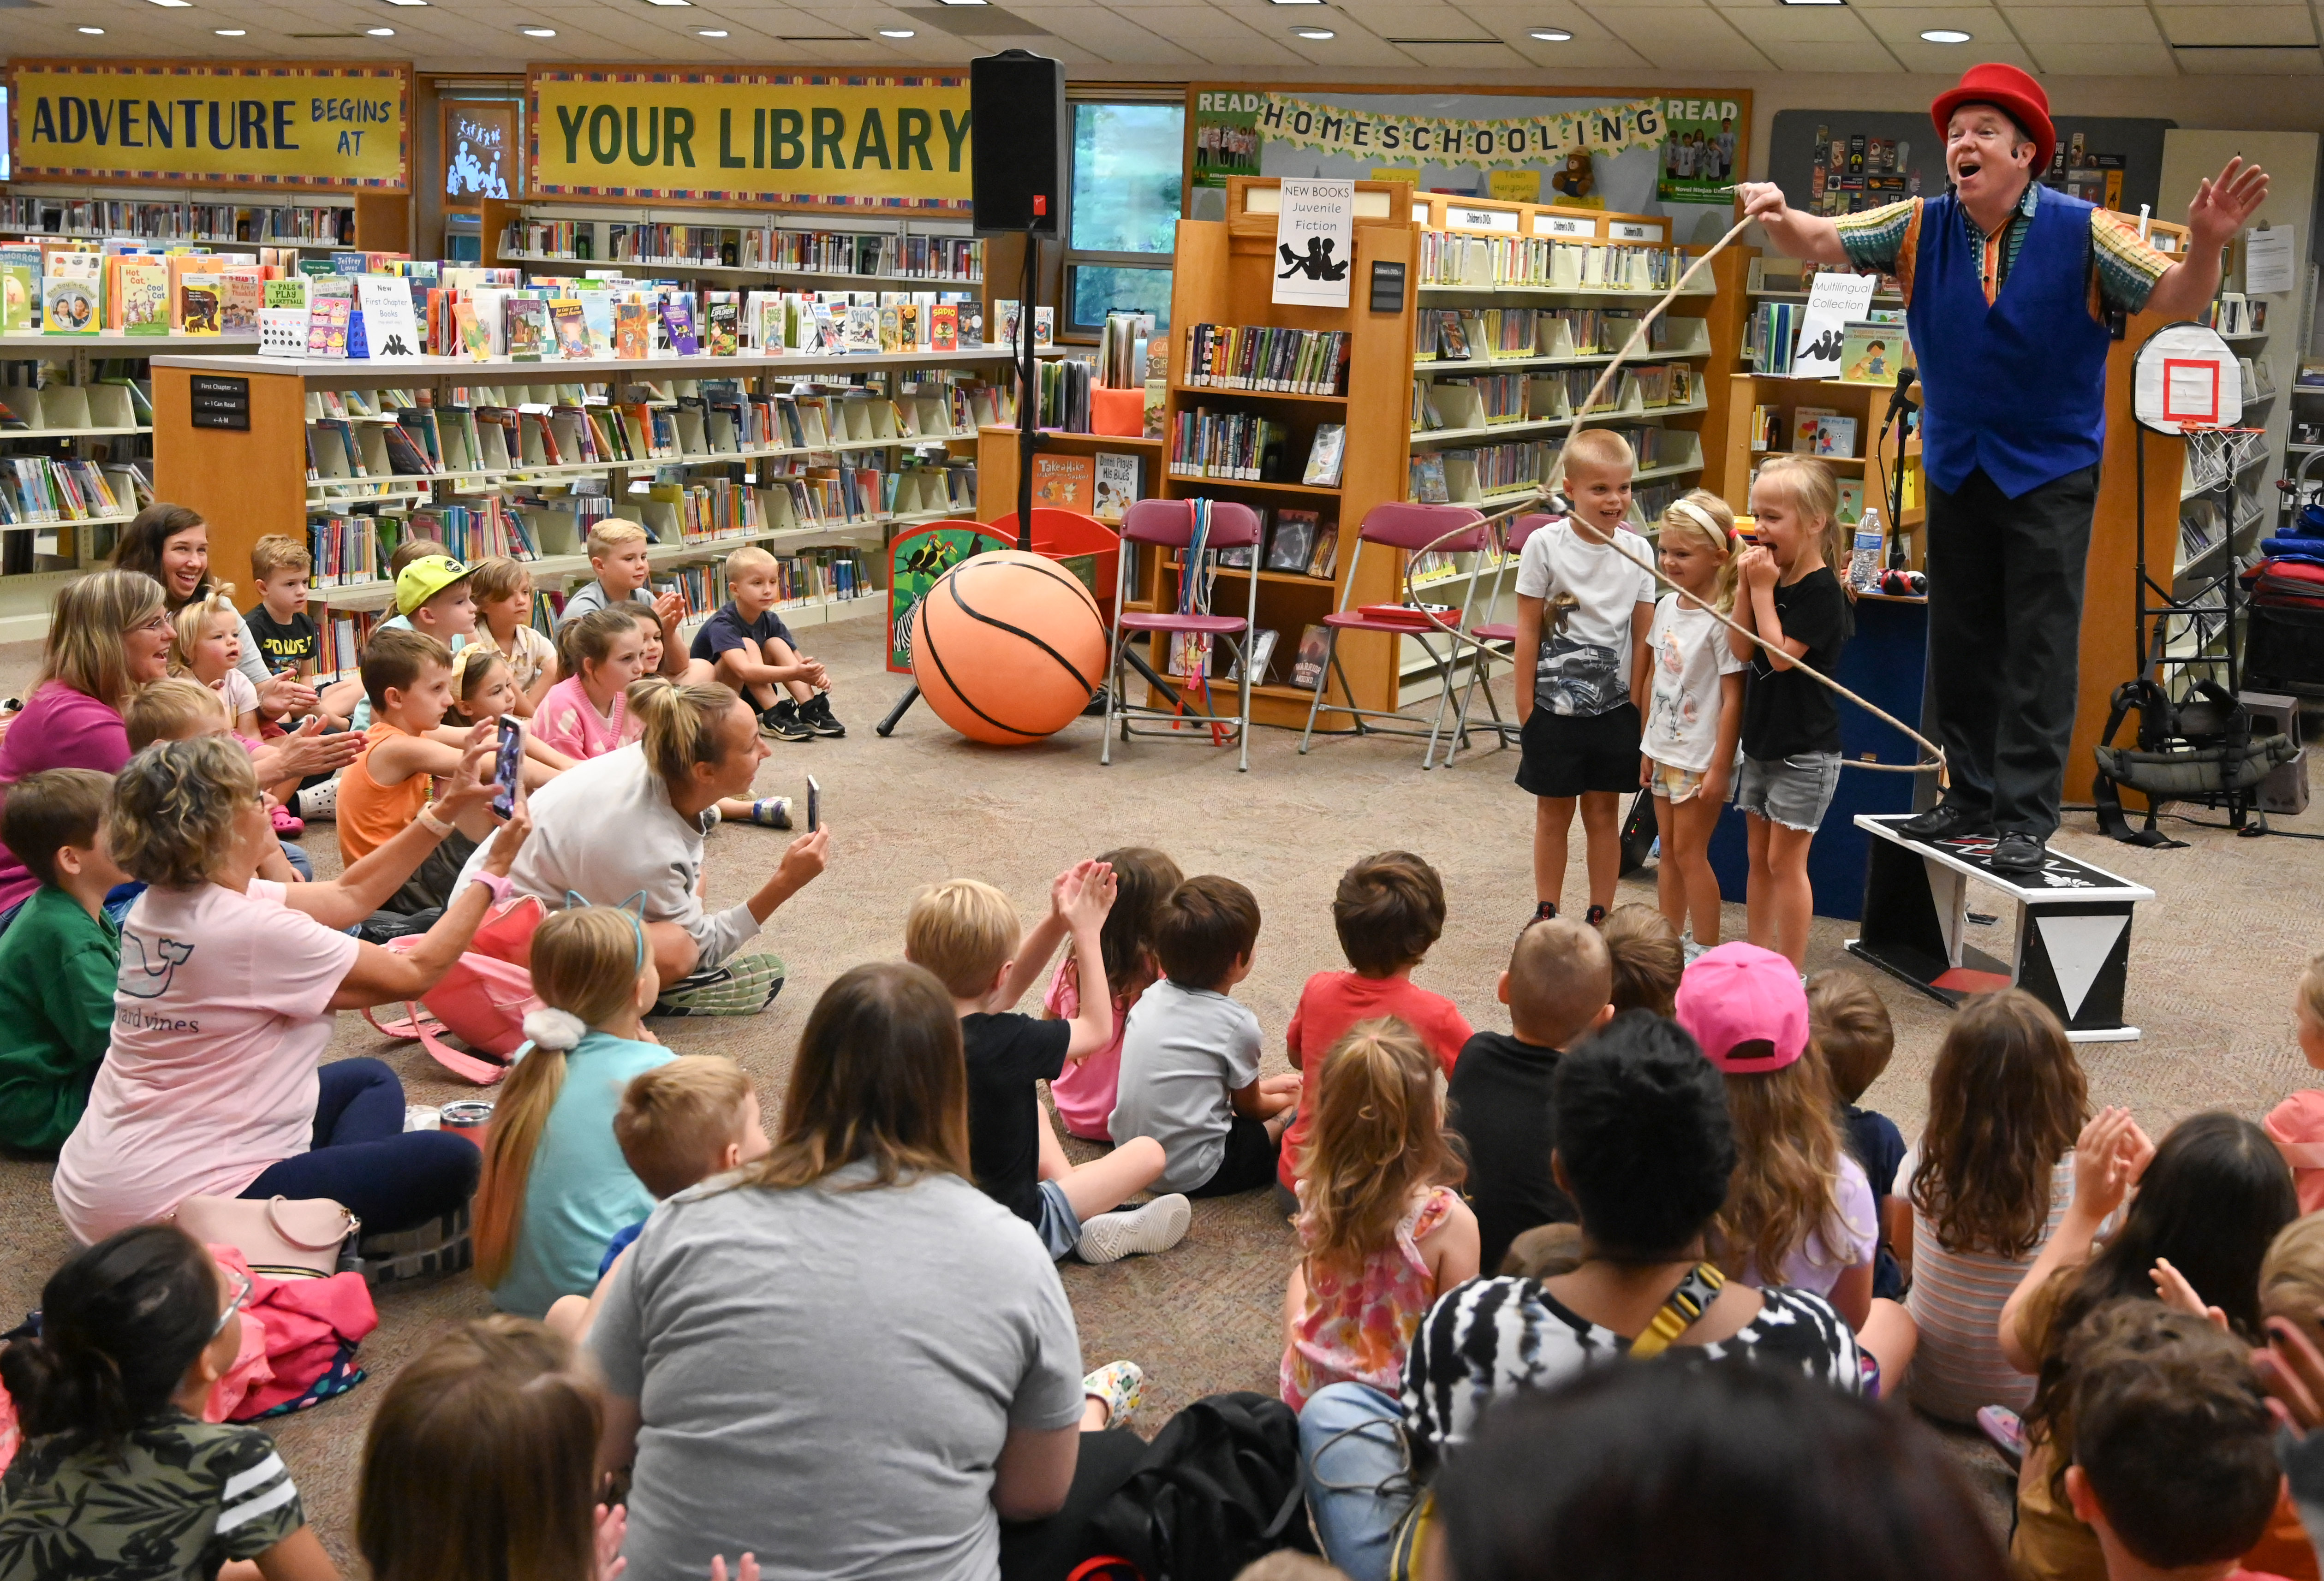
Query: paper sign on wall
column 1835, row 301
column 2267, row 260
column 1314, row 241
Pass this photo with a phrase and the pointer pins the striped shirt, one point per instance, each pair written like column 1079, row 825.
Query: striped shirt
column 2122, row 272
column 1956, row 1300
column 1488, row 1339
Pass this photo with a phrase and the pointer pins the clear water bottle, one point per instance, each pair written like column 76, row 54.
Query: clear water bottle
column 1864, row 554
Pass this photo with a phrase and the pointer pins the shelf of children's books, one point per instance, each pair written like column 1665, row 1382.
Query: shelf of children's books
column 1426, row 369
column 66, row 433
column 31, row 343
column 368, row 373
column 1436, row 438
column 51, row 526
column 376, row 495
column 1272, row 488
column 1203, row 391
column 86, row 235
column 1438, row 293
column 763, row 270
column 523, row 473
column 1676, row 469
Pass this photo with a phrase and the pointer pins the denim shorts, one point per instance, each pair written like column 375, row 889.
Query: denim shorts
column 1793, row 791
column 1060, row 1229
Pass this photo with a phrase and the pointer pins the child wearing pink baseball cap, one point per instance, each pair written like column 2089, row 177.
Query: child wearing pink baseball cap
column 1800, row 1211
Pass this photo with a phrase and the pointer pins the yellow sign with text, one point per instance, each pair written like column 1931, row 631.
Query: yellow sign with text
column 853, row 140
column 261, row 124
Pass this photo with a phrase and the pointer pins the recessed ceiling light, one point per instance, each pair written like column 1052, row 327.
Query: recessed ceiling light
column 964, row 2
column 538, row 32
column 230, row 32
column 710, row 33
column 1944, row 35
column 895, row 32
column 174, row 4
column 1816, row 2
column 94, row 31
column 1298, row 1
column 381, row 33
column 1317, row 33
column 1551, row 35
column 407, row 2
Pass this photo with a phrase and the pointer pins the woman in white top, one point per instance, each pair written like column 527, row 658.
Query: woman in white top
column 1990, row 1180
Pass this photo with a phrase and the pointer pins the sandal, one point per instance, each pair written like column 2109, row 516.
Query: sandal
column 1120, row 1385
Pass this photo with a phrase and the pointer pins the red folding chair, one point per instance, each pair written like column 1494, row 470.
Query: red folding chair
column 1170, row 524
column 1408, row 529
column 1515, row 533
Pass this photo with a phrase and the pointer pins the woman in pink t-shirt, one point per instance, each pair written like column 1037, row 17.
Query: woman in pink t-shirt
column 225, row 1001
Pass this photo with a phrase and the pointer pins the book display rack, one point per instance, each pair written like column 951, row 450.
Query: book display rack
column 896, row 254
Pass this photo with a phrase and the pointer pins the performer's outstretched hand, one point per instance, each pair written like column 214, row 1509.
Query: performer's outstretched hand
column 1762, row 200
column 2220, row 208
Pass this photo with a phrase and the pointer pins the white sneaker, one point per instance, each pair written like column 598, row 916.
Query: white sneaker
column 317, row 801
column 1154, row 1226
column 1686, row 942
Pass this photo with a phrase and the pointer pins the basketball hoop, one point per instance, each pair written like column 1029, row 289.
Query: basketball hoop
column 2187, row 379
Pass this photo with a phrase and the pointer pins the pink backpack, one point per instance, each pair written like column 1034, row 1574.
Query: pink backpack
column 483, row 1000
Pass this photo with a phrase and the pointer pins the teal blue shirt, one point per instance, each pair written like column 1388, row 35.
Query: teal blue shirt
column 579, row 1190
column 58, row 966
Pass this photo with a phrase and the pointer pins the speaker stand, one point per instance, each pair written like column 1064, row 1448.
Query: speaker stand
column 1029, row 394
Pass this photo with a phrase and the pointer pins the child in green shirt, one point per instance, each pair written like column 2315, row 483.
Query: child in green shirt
column 58, row 958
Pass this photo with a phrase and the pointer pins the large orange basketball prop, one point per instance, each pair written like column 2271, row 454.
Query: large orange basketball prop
column 1008, row 647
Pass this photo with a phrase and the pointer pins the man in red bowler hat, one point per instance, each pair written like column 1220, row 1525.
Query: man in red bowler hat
column 2008, row 286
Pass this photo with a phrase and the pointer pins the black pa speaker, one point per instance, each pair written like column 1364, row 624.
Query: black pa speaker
column 1016, row 154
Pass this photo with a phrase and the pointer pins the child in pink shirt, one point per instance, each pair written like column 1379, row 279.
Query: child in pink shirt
column 2296, row 1125
column 1084, row 1092
column 584, row 715
column 1389, row 910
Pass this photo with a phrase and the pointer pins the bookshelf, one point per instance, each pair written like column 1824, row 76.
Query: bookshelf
column 902, row 253
column 858, row 410
column 1872, row 467
column 212, row 217
column 996, row 464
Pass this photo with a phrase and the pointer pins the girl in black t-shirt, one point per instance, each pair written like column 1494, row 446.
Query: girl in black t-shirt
column 1791, row 722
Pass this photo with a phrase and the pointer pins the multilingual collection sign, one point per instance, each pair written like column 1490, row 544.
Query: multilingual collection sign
column 262, row 124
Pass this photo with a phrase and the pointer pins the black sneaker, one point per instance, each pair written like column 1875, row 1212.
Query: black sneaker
column 782, row 721
column 1542, row 912
column 1595, row 917
column 2018, row 852
column 815, row 714
column 1947, row 820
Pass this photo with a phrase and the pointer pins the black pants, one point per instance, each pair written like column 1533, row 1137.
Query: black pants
column 2005, row 639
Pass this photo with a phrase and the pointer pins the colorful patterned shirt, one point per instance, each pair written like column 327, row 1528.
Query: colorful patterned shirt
column 1357, row 1330
column 2123, row 268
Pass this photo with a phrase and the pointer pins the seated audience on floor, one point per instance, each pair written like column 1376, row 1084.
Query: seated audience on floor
column 171, row 545
column 177, row 709
column 227, row 996
column 1190, row 1051
column 2209, row 1201
column 1852, row 1031
column 631, row 824
column 554, row 1188
column 1556, row 987
column 849, row 1321
column 286, row 635
column 1744, row 1473
column 749, row 647
column 503, row 589
column 969, row 935
column 1645, row 1149
column 1649, row 958
column 680, row 1122
column 1389, row 913
column 1084, row 1091
column 1382, row 1230
column 1990, row 1181
column 59, row 960
column 119, row 1473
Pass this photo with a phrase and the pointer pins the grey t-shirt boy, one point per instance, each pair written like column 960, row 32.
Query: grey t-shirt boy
column 827, row 1376
column 1183, row 1051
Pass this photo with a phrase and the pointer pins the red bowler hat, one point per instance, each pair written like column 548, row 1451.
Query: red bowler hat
column 2018, row 95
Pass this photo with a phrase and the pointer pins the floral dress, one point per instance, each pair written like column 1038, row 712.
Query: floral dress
column 1357, row 1330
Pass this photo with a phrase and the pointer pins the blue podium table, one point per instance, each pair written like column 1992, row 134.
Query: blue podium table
column 1886, row 663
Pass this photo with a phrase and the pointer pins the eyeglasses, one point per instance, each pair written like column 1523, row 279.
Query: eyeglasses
column 240, row 1282
column 160, row 625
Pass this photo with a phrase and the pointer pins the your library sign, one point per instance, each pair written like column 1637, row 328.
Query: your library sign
column 822, row 139
column 262, row 124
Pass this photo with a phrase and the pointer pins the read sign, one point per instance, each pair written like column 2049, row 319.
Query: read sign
column 855, row 141
column 213, row 123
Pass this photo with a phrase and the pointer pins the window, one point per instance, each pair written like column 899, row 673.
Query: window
column 1122, row 210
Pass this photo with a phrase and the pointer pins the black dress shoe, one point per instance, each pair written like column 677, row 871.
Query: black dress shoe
column 2017, row 852
column 1945, row 821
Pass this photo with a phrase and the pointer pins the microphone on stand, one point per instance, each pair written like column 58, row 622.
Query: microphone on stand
column 1901, row 399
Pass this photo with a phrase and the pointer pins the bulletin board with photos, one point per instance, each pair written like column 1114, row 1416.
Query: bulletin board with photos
column 1840, row 161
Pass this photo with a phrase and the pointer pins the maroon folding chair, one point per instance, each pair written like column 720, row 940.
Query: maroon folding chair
column 1401, row 527
column 1170, row 524
column 1514, row 535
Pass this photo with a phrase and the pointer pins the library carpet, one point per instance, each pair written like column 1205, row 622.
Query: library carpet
column 2213, row 965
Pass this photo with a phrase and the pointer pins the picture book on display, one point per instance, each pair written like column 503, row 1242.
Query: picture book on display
column 859, row 331
column 1307, row 663
column 1293, row 540
column 1324, row 456
column 944, row 328
column 145, row 297
column 677, row 319
column 1064, row 482
column 633, row 329
column 19, row 288
column 1117, row 485
column 721, row 317
column 1262, row 658
column 572, row 328
column 199, row 309
column 527, row 334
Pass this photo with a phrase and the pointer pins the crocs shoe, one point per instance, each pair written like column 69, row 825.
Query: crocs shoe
column 317, row 801
column 771, row 812
column 2007, row 1432
column 286, row 823
column 441, row 1246
column 1153, row 1227
column 1121, row 1385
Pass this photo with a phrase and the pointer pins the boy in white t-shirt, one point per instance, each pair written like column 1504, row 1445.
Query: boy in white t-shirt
column 1585, row 600
column 1694, row 709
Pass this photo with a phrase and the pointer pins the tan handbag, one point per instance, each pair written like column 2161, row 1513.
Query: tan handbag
column 277, row 1237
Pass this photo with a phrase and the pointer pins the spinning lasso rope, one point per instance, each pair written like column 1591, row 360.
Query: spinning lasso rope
column 1935, row 759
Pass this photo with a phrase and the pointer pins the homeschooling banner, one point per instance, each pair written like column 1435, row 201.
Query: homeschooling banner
column 1530, row 140
column 263, row 125
column 820, row 139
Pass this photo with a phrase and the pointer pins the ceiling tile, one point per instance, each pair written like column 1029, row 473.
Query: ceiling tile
column 1189, row 24
column 2239, row 25
column 1795, row 24
column 1866, row 56
column 2105, row 26
column 2106, row 59
column 2251, row 62
column 1903, row 25
column 1513, row 22
column 1698, row 40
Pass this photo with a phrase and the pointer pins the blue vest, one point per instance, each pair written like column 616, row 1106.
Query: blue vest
column 2017, row 388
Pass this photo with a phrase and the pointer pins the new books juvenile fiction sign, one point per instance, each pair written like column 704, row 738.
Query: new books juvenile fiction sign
column 853, row 140
column 1314, row 241
column 266, row 124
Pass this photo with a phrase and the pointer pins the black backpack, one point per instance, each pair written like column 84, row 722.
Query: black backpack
column 1217, row 1488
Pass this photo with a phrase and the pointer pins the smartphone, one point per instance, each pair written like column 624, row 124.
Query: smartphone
column 814, row 804
column 507, row 764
